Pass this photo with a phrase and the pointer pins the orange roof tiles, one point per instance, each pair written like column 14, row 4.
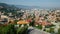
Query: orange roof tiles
column 22, row 22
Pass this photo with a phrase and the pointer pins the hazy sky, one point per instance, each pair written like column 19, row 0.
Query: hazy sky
column 41, row 3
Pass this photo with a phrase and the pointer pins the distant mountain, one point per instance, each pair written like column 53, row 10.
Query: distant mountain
column 9, row 6
column 4, row 5
column 30, row 7
column 38, row 7
column 26, row 7
column 19, row 6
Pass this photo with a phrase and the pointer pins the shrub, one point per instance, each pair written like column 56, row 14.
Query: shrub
column 59, row 31
column 39, row 26
column 22, row 30
column 15, row 21
column 51, row 30
column 7, row 29
column 49, row 26
column 32, row 23
column 11, row 30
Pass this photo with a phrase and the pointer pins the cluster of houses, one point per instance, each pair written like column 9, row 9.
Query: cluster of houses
column 40, row 17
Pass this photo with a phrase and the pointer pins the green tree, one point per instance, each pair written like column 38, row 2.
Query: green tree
column 59, row 31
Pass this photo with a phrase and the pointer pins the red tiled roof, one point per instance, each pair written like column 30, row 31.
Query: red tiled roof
column 22, row 22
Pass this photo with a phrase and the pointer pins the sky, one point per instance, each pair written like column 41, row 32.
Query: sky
column 41, row 3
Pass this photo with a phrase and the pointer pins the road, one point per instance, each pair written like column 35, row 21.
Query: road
column 32, row 30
